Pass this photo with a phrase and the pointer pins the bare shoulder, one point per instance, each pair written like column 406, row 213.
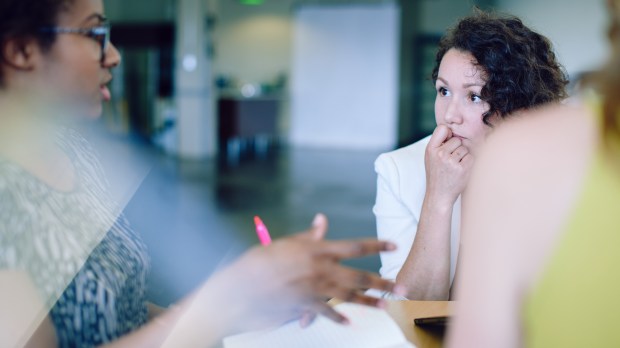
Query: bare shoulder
column 541, row 150
column 552, row 130
column 530, row 174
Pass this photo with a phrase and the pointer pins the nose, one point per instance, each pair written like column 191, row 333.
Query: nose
column 112, row 57
column 453, row 113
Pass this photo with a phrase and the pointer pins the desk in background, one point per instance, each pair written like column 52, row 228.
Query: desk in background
column 245, row 123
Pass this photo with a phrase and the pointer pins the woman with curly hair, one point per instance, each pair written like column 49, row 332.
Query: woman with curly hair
column 488, row 67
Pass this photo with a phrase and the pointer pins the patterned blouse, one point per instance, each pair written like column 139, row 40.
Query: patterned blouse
column 78, row 249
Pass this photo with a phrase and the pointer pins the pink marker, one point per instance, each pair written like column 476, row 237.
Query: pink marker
column 262, row 232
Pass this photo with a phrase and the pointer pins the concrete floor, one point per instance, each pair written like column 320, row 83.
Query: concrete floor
column 196, row 216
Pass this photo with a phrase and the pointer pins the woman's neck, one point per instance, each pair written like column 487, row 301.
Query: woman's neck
column 28, row 139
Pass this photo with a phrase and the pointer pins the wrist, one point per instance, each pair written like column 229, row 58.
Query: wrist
column 220, row 291
column 439, row 202
column 203, row 318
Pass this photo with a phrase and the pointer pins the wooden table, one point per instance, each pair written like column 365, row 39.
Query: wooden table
column 403, row 312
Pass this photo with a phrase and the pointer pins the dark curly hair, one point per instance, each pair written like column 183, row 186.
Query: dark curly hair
column 518, row 65
column 23, row 19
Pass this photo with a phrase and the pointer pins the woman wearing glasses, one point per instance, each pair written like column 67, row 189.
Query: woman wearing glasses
column 72, row 272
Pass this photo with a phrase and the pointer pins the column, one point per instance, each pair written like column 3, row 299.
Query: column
column 193, row 82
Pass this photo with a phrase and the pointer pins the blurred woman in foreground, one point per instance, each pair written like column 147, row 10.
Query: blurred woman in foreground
column 72, row 271
column 542, row 232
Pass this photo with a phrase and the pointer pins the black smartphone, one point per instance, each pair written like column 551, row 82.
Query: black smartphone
column 441, row 320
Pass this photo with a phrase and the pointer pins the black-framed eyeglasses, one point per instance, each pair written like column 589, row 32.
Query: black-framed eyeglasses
column 101, row 34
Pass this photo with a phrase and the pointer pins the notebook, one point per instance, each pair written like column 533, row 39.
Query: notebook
column 369, row 328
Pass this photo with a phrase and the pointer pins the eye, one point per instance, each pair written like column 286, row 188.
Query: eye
column 475, row 98
column 98, row 33
column 443, row 91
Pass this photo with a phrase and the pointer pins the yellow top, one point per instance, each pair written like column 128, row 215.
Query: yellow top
column 577, row 301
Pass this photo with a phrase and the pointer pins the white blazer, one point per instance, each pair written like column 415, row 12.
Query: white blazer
column 401, row 185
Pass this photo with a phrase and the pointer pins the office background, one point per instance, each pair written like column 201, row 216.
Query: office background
column 226, row 109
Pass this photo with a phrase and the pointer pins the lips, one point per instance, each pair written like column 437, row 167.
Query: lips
column 105, row 91
column 454, row 135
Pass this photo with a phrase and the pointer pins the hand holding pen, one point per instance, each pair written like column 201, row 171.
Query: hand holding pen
column 271, row 284
column 307, row 269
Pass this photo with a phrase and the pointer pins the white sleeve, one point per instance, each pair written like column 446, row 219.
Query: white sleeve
column 395, row 222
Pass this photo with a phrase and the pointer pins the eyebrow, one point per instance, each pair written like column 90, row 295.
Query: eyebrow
column 467, row 85
column 442, row 80
column 98, row 16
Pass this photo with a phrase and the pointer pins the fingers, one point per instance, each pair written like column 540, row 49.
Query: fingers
column 319, row 227
column 440, row 135
column 356, row 296
column 459, row 153
column 319, row 307
column 307, row 318
column 354, row 279
column 327, row 311
column 317, row 230
column 442, row 143
column 451, row 145
column 468, row 160
column 360, row 298
column 357, row 248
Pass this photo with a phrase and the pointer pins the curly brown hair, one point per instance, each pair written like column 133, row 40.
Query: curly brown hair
column 518, row 65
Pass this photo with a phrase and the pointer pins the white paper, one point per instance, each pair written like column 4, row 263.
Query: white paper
column 369, row 328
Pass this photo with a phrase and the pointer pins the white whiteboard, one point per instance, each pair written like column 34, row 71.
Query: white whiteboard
column 344, row 83
column 577, row 28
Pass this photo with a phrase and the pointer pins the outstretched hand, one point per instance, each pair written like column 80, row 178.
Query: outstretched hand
column 295, row 275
